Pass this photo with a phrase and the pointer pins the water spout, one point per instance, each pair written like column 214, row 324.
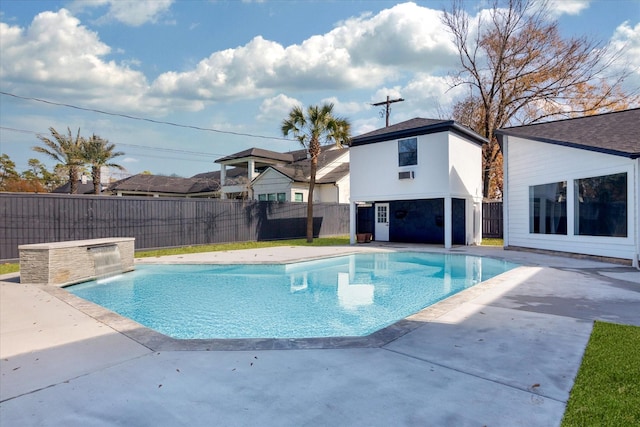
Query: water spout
column 106, row 260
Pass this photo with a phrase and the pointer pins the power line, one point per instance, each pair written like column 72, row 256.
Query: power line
column 126, row 116
column 146, row 147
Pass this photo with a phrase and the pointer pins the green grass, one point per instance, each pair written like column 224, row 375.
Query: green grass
column 492, row 242
column 9, row 268
column 322, row 241
column 607, row 388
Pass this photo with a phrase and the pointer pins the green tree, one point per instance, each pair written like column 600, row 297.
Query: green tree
column 520, row 70
column 98, row 152
column 67, row 150
column 38, row 172
column 314, row 127
column 8, row 172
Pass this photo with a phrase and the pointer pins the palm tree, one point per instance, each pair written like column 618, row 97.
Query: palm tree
column 312, row 128
column 98, row 152
column 67, row 151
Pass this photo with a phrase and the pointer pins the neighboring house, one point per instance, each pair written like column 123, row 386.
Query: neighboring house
column 418, row 181
column 85, row 186
column 273, row 176
column 165, row 186
column 573, row 185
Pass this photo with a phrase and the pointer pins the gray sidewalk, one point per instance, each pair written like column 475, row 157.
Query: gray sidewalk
column 504, row 353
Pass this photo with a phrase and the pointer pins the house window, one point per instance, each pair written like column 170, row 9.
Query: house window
column 408, row 152
column 548, row 208
column 262, row 197
column 282, row 197
column 601, row 206
column 383, row 214
column 271, row 197
column 298, row 197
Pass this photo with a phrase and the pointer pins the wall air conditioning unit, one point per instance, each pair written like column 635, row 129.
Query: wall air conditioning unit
column 406, row 175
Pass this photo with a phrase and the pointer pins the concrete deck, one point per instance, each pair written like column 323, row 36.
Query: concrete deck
column 503, row 353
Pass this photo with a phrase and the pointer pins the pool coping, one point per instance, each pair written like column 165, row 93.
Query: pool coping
column 157, row 341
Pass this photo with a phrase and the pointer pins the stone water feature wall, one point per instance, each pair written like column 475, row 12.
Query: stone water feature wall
column 65, row 263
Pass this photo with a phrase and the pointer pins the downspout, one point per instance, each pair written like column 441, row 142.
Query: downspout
column 636, row 213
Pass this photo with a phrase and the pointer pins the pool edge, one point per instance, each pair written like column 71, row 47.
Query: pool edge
column 157, row 341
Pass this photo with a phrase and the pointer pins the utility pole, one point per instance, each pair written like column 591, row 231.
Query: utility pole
column 388, row 103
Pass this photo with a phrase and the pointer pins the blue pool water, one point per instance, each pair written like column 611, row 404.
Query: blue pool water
column 353, row 295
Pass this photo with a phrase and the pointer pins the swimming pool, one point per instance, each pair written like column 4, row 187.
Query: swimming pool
column 352, row 295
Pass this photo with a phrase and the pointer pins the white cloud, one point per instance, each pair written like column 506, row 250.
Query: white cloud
column 568, row 7
column 276, row 108
column 626, row 41
column 405, row 35
column 129, row 12
column 344, row 108
column 361, row 52
column 58, row 56
column 130, row 160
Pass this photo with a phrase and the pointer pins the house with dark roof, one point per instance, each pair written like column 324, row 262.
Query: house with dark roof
column 417, row 181
column 574, row 185
column 145, row 185
column 84, row 186
column 272, row 176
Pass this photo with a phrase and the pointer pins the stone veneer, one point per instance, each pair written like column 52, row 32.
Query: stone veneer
column 65, row 263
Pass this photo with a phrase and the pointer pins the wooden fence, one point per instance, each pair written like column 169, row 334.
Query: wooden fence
column 157, row 222
column 492, row 220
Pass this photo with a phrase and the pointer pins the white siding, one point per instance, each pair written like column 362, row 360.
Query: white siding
column 529, row 163
column 271, row 181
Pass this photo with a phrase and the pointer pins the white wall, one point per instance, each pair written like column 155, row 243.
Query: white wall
column 529, row 163
column 374, row 171
column 465, row 167
column 271, row 181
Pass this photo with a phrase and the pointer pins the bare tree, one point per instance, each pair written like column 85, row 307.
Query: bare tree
column 520, row 70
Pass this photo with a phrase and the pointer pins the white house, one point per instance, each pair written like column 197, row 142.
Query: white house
column 418, row 181
column 273, row 176
column 573, row 185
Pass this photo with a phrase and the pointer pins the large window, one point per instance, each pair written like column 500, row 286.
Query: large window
column 601, row 206
column 408, row 152
column 548, row 208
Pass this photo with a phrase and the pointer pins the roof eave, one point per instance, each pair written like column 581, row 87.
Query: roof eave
column 422, row 130
column 502, row 133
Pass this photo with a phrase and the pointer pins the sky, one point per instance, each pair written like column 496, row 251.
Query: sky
column 177, row 84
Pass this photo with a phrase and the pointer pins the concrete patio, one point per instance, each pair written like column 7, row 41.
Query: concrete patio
column 504, row 353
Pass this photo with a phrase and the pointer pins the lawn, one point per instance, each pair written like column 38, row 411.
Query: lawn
column 321, row 241
column 607, row 388
column 9, row 268
column 492, row 242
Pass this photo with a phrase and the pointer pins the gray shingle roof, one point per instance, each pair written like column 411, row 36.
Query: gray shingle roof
column 616, row 133
column 260, row 153
column 299, row 171
column 414, row 127
column 65, row 188
column 165, row 184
